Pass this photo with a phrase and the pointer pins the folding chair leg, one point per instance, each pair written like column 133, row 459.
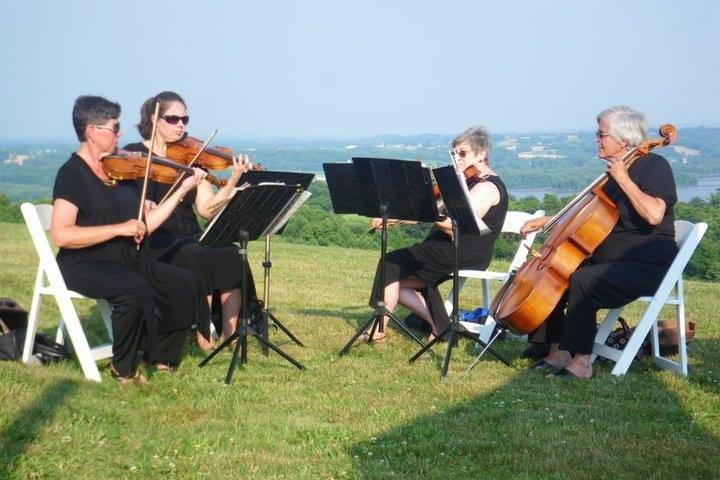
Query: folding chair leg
column 605, row 328
column 77, row 337
column 33, row 318
column 682, row 340
column 448, row 302
column 60, row 334
column 638, row 336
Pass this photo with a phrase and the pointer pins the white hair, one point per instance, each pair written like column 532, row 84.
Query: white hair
column 625, row 123
column 478, row 137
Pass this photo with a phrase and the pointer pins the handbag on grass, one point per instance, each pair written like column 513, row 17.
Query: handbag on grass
column 667, row 336
column 9, row 344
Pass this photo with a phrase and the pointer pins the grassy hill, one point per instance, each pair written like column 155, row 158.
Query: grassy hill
column 367, row 415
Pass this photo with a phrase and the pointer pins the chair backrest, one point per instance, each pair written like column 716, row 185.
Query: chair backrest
column 513, row 221
column 38, row 218
column 687, row 237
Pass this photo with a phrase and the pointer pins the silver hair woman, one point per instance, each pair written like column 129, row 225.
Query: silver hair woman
column 625, row 123
column 634, row 257
column 477, row 138
column 413, row 274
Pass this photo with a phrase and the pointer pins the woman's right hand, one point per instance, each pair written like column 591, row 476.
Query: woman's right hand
column 132, row 228
column 532, row 225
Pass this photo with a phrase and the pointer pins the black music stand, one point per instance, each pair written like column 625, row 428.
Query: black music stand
column 385, row 188
column 252, row 212
column 301, row 180
column 464, row 221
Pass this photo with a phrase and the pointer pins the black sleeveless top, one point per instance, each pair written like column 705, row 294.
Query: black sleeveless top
column 476, row 251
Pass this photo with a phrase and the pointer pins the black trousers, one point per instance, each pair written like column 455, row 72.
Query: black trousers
column 592, row 287
column 153, row 306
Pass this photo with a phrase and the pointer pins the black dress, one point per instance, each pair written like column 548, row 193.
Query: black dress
column 432, row 260
column 154, row 304
column 630, row 263
column 176, row 242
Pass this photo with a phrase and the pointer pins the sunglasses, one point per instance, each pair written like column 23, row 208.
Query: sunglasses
column 460, row 153
column 175, row 119
column 115, row 128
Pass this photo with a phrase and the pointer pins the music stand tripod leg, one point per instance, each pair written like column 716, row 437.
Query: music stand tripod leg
column 267, row 265
column 284, row 328
column 487, row 347
column 374, row 320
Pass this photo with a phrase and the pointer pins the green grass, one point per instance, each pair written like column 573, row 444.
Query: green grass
column 367, row 415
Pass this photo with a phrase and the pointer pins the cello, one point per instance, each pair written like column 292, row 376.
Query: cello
column 534, row 290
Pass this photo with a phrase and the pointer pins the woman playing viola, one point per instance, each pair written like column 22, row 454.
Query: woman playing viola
column 176, row 241
column 413, row 274
column 632, row 260
column 94, row 224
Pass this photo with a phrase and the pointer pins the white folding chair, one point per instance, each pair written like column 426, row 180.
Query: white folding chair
column 37, row 218
column 513, row 221
column 687, row 236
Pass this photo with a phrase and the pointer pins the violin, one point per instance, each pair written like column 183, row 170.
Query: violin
column 211, row 158
column 469, row 173
column 131, row 166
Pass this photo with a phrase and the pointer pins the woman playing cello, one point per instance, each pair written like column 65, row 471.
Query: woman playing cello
column 632, row 259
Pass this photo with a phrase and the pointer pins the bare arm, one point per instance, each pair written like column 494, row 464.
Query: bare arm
column 206, row 201
column 157, row 215
column 65, row 232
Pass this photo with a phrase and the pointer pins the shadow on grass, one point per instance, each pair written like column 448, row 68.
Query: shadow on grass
column 532, row 427
column 19, row 434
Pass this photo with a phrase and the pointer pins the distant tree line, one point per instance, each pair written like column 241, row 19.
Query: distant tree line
column 316, row 224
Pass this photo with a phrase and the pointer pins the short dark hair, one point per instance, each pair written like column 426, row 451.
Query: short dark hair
column 148, row 108
column 92, row 110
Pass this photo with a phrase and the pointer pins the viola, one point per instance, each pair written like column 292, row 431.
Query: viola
column 131, row 166
column 533, row 291
column 212, row 158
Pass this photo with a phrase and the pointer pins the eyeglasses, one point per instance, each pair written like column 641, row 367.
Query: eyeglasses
column 600, row 134
column 115, row 128
column 175, row 119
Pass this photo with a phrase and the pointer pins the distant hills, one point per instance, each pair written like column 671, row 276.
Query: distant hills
column 563, row 161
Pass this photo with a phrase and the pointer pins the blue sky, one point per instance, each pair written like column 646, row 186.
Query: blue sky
column 335, row 69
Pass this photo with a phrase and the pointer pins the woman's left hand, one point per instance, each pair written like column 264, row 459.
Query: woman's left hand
column 193, row 181
column 616, row 169
column 241, row 164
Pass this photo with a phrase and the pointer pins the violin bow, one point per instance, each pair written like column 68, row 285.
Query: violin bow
column 143, row 193
column 181, row 176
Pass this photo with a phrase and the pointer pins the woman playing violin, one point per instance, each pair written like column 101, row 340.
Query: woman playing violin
column 93, row 224
column 633, row 258
column 413, row 274
column 175, row 242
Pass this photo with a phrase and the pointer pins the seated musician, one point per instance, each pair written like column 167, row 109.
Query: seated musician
column 413, row 274
column 94, row 223
column 632, row 260
column 176, row 241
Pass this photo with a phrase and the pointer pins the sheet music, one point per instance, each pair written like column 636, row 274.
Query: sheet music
column 466, row 191
column 210, row 224
column 287, row 212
